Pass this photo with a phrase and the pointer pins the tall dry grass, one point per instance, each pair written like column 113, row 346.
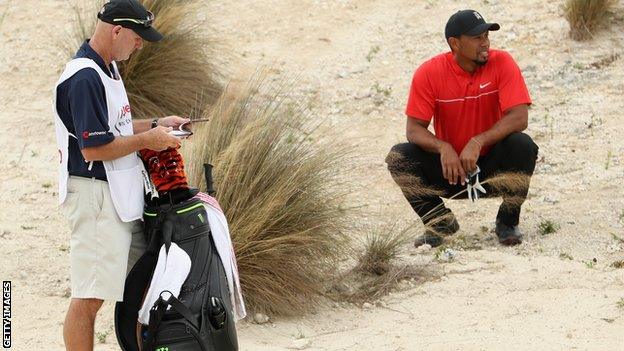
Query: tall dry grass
column 381, row 248
column 585, row 16
column 279, row 187
column 171, row 76
column 379, row 268
column 508, row 185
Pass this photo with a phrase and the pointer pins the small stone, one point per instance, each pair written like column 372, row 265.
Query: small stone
column 550, row 200
column 67, row 293
column 260, row 318
column 343, row 74
column 367, row 306
column 423, row 248
column 369, row 110
column 300, row 344
column 363, row 95
column 448, row 255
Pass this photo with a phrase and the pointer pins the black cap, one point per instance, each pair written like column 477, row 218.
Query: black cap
column 468, row 22
column 130, row 14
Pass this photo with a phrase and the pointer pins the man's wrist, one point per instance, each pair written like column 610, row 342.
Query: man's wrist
column 477, row 141
column 140, row 141
column 442, row 145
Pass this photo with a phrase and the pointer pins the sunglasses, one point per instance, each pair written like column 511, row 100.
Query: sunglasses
column 146, row 22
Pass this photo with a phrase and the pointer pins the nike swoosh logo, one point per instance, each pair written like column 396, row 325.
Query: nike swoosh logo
column 484, row 85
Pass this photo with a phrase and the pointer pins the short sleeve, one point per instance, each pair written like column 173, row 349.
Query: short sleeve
column 87, row 102
column 421, row 100
column 512, row 88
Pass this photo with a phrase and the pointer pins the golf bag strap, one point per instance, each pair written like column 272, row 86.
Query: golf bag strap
column 158, row 312
column 167, row 233
column 156, row 315
column 183, row 311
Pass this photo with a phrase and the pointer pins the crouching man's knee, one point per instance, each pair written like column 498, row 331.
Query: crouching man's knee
column 397, row 157
column 520, row 146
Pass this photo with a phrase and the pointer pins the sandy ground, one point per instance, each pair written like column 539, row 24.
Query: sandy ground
column 354, row 60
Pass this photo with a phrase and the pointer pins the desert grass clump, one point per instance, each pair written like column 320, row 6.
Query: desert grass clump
column 278, row 184
column 508, row 185
column 378, row 269
column 171, row 76
column 546, row 227
column 382, row 246
column 372, row 288
column 584, row 16
column 618, row 264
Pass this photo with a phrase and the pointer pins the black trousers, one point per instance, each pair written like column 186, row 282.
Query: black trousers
column 516, row 153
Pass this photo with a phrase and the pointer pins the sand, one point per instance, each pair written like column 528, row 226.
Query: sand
column 354, row 60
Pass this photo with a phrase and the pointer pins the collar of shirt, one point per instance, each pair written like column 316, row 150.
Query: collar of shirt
column 87, row 51
column 457, row 68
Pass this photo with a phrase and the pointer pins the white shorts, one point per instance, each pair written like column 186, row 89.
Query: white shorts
column 103, row 249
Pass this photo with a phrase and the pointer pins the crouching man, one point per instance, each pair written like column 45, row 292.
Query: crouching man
column 478, row 101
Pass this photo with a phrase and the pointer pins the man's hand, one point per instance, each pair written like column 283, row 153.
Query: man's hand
column 159, row 139
column 470, row 155
column 172, row 121
column 452, row 169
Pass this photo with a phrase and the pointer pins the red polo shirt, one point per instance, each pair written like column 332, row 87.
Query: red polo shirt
column 461, row 104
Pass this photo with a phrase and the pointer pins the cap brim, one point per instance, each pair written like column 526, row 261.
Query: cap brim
column 149, row 34
column 482, row 28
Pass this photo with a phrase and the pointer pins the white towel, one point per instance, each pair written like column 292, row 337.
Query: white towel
column 225, row 249
column 170, row 273
column 223, row 242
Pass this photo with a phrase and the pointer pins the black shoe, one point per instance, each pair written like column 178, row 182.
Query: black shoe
column 434, row 234
column 508, row 235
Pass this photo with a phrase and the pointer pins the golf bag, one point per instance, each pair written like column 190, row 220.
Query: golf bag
column 201, row 318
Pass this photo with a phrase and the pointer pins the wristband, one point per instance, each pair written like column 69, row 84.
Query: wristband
column 155, row 123
column 476, row 141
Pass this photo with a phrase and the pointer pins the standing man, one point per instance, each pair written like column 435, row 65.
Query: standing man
column 100, row 175
column 479, row 102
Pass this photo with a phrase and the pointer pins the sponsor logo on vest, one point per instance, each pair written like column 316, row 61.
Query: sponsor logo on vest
column 124, row 111
column 124, row 117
